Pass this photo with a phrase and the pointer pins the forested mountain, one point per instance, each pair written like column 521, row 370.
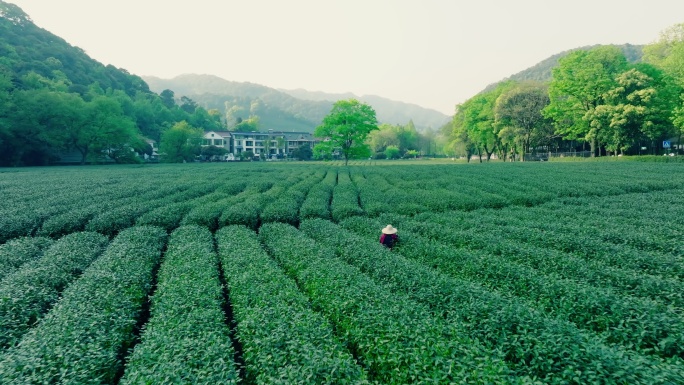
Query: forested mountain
column 55, row 99
column 542, row 71
column 388, row 111
column 26, row 48
column 238, row 101
column 285, row 109
column 599, row 100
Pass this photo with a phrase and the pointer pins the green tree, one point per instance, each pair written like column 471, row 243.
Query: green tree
column 168, row 98
column 303, row 152
column 213, row 151
column 280, row 144
column 477, row 115
column 248, row 125
column 519, row 112
column 409, row 138
column 392, row 152
column 641, row 105
column 188, row 105
column 384, row 136
column 474, row 124
column 460, row 141
column 668, row 54
column 580, row 84
column 346, row 128
column 180, row 143
column 107, row 130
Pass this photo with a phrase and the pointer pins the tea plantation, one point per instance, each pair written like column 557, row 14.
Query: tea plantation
column 272, row 273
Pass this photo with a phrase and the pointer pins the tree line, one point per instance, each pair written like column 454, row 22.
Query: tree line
column 55, row 99
column 596, row 101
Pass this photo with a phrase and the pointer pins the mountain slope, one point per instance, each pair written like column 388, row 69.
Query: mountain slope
column 542, row 70
column 26, row 48
column 387, row 110
column 286, row 109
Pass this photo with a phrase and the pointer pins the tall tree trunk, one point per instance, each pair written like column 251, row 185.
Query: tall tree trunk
column 84, row 154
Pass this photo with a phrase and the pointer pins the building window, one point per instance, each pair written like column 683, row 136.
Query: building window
column 238, row 143
column 206, row 142
column 249, row 143
column 259, row 143
column 218, row 142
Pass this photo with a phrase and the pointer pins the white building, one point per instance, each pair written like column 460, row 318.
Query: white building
column 271, row 144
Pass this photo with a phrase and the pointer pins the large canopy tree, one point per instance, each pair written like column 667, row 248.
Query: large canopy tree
column 476, row 121
column 668, row 53
column 639, row 107
column 346, row 128
column 580, row 84
column 518, row 112
column 180, row 143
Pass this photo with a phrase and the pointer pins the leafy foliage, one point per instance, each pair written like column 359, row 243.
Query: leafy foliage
column 102, row 308
column 30, row 291
column 186, row 319
column 513, row 273
column 284, row 340
column 345, row 129
column 409, row 344
column 17, row 252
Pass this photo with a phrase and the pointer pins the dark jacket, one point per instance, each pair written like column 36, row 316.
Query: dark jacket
column 388, row 240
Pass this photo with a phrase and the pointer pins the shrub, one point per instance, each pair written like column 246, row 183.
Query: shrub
column 83, row 339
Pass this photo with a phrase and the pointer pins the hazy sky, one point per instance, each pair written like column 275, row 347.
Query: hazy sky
column 434, row 53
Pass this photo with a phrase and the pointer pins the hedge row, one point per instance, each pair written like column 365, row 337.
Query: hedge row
column 584, row 241
column 17, row 252
column 111, row 222
column 534, row 345
column 83, row 339
column 40, row 209
column 171, row 216
column 377, row 196
column 103, row 214
column 345, row 199
column 317, row 202
column 248, row 212
column 394, row 338
column 570, row 249
column 285, row 208
column 187, row 339
column 30, row 291
column 207, row 214
column 635, row 323
column 283, row 340
column 667, row 290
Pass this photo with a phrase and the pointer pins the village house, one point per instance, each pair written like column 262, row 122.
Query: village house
column 266, row 145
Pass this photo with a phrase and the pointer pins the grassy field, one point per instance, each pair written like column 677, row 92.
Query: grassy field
column 272, row 273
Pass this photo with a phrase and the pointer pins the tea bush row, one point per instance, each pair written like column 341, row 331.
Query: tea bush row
column 633, row 322
column 186, row 339
column 345, row 198
column 30, row 291
column 84, row 337
column 534, row 345
column 283, row 340
column 19, row 251
column 395, row 339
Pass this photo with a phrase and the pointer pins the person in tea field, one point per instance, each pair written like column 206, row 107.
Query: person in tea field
column 389, row 236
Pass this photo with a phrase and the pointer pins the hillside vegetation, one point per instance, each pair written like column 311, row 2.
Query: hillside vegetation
column 56, row 100
column 542, row 71
column 286, row 109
